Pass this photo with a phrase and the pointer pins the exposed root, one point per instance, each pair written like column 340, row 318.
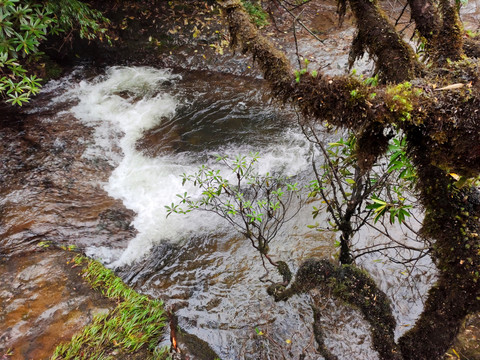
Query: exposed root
column 354, row 287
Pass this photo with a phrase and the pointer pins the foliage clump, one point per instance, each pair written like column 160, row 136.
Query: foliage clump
column 255, row 205
column 24, row 26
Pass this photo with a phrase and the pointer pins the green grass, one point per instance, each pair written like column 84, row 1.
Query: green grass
column 136, row 324
column 256, row 12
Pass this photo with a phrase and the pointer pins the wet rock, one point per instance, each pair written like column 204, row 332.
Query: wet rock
column 43, row 301
column 193, row 348
column 186, row 346
column 48, row 191
column 158, row 258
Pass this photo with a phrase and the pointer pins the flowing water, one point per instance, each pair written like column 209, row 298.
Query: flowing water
column 143, row 128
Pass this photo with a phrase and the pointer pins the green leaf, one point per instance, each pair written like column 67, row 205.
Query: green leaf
column 378, row 201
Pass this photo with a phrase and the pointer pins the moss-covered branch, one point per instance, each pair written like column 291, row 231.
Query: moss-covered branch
column 427, row 18
column 448, row 44
column 394, row 58
column 354, row 287
column 445, row 116
column 441, row 29
column 275, row 66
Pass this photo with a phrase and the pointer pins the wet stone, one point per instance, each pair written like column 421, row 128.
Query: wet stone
column 43, row 301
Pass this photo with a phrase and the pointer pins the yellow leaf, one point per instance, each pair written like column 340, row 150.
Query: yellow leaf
column 288, row 341
column 196, row 32
column 455, row 176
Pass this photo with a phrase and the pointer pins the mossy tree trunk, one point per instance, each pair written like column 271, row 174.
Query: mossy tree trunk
column 426, row 17
column 441, row 29
column 394, row 59
column 441, row 123
column 452, row 219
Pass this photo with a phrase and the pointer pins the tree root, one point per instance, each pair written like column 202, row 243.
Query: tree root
column 354, row 287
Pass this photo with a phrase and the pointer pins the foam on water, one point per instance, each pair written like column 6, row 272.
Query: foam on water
column 120, row 106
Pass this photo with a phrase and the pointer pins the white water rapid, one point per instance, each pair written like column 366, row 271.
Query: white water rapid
column 121, row 106
column 151, row 125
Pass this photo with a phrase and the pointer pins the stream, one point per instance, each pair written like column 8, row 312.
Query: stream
column 96, row 157
column 117, row 141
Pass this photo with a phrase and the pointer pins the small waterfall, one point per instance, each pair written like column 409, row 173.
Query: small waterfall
column 125, row 103
column 151, row 125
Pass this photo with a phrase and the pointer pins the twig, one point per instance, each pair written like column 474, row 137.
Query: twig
column 300, row 22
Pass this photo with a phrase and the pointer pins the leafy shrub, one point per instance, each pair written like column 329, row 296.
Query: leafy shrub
column 23, row 26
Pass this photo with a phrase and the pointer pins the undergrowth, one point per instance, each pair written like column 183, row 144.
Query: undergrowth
column 256, row 12
column 135, row 325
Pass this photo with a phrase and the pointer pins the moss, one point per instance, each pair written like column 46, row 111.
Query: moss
column 284, row 271
column 448, row 44
column 451, row 218
column 133, row 327
column 332, row 100
column 357, row 288
column 273, row 62
column 394, row 59
column 256, row 12
column 370, row 145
